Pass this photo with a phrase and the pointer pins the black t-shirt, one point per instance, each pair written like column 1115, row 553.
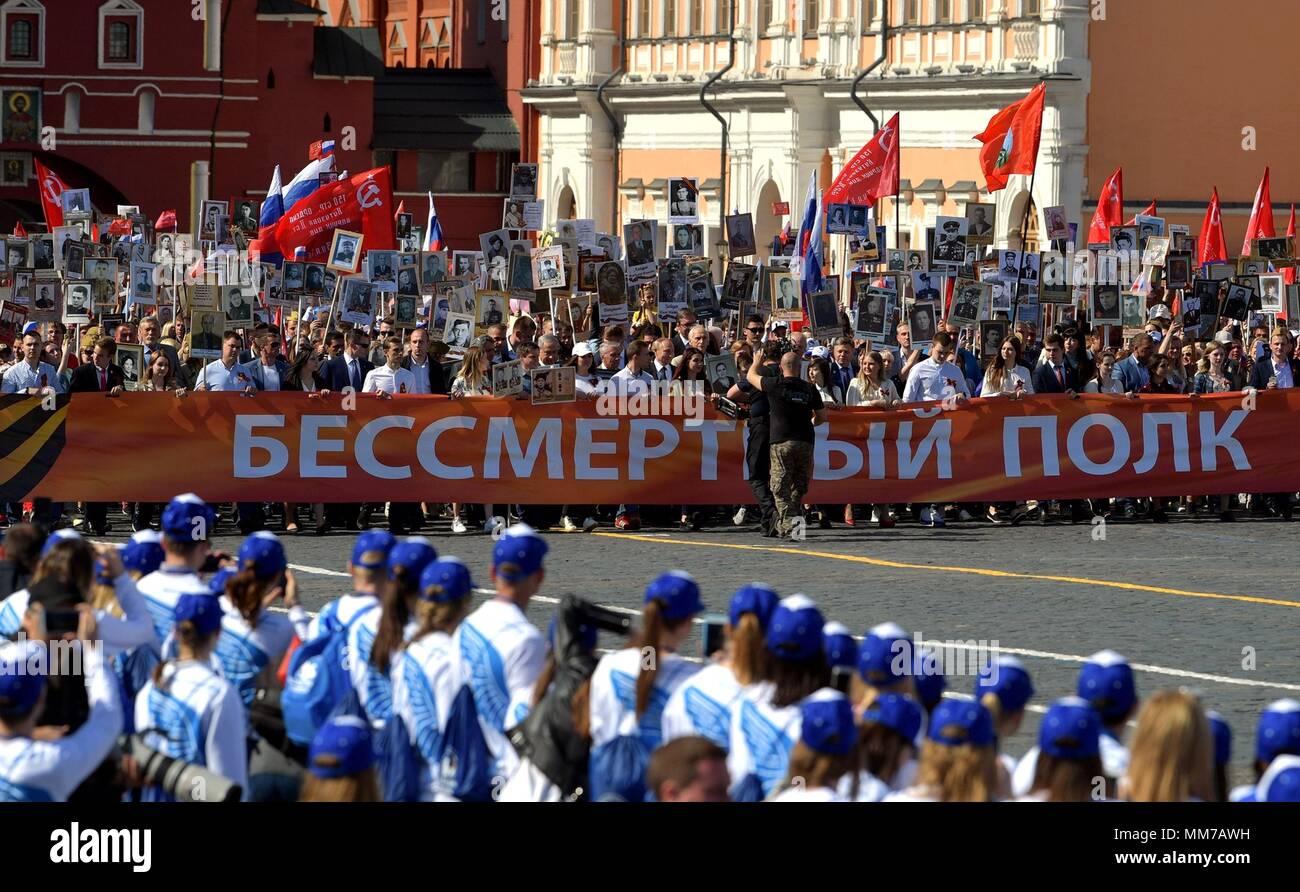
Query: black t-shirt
column 791, row 402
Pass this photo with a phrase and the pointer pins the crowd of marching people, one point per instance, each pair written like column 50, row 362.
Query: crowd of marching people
column 205, row 666
column 309, row 356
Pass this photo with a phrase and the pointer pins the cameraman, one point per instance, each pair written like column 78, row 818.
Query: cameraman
column 41, row 765
column 758, row 462
column 795, row 408
column 554, row 740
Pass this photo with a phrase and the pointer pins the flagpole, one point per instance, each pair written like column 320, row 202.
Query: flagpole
column 1024, row 241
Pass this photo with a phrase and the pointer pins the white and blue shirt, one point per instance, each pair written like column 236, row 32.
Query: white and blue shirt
column 702, row 705
column 21, row 377
column 162, row 589
column 216, row 377
column 118, row 634
column 245, row 651
column 373, row 687
column 195, row 715
column 762, row 737
column 499, row 654
column 1114, row 761
column 423, row 686
column 49, row 770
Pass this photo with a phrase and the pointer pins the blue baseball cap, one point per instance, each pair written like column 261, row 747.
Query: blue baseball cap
column 200, row 608
column 795, row 632
column 217, row 583
column 876, row 657
column 755, row 598
column 898, row 712
column 1222, row 732
column 961, row 722
column 186, row 516
column 828, row 725
column 31, row 328
column 370, row 552
column 928, row 678
column 58, row 536
column 1071, row 729
column 1281, row 782
column 1278, row 731
column 344, row 744
column 678, row 594
column 143, row 554
column 445, row 579
column 264, row 554
column 21, row 682
column 840, row 647
column 519, row 553
column 1008, row 679
column 410, row 556
column 1106, row 681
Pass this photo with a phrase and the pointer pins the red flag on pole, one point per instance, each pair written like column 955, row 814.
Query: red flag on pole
column 872, row 173
column 166, row 221
column 1288, row 274
column 358, row 204
column 1011, row 139
column 1149, row 211
column 20, row 231
column 1211, row 245
column 401, row 209
column 1110, row 209
column 51, row 189
column 1261, row 216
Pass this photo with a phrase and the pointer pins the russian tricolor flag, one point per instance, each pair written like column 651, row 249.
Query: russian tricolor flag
column 810, row 239
column 432, row 229
column 321, row 148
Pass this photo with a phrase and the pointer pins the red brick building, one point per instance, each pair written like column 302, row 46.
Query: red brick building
column 163, row 103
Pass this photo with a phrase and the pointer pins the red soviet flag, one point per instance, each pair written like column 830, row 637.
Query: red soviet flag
column 166, row 222
column 872, row 173
column 1110, row 209
column 1261, row 216
column 1149, row 211
column 1288, row 273
column 363, row 203
column 1211, row 246
column 51, row 189
column 1011, row 139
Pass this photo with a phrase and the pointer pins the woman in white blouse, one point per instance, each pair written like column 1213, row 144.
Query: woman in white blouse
column 871, row 387
column 1005, row 376
column 1103, row 382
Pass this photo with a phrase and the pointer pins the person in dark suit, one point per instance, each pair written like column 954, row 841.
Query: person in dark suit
column 104, row 376
column 1277, row 371
column 151, row 338
column 1055, row 375
column 419, row 360
column 349, row 370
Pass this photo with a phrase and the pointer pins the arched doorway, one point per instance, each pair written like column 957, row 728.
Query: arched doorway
column 766, row 225
column 566, row 206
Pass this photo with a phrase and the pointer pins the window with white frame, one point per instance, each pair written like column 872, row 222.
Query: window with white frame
column 696, row 18
column 869, row 13
column 643, row 18
column 670, row 18
column 943, row 14
column 975, row 10
column 121, row 34
column 148, row 100
column 1029, row 8
column 22, row 27
column 72, row 110
column 911, row 12
column 572, row 18
column 723, row 10
column 811, row 17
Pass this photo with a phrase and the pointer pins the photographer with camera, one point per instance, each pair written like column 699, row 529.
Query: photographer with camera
column 553, row 740
column 189, row 712
column 42, row 764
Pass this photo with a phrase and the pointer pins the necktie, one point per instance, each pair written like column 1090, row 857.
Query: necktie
column 1060, row 378
column 103, row 379
column 355, row 374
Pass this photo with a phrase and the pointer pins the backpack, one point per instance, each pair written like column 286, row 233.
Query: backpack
column 318, row 680
column 618, row 770
column 399, row 766
column 466, row 763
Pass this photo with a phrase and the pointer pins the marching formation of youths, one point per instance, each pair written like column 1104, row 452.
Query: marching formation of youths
column 405, row 689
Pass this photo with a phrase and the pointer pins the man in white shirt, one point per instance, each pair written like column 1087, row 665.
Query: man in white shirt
column 632, row 378
column 226, row 374
column 31, row 375
column 267, row 369
column 936, row 378
column 390, row 378
column 663, row 359
column 418, row 362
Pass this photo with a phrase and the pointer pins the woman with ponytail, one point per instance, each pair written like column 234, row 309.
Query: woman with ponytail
column 631, row 687
column 701, row 707
column 886, row 749
column 188, row 711
column 423, row 683
column 824, row 755
column 253, row 639
column 1004, row 687
column 765, row 719
column 1069, row 755
column 958, row 759
column 377, row 635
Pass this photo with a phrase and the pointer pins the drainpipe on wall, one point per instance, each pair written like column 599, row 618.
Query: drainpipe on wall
column 614, row 126
column 884, row 47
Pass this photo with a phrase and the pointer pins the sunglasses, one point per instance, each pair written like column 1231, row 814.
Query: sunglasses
column 754, row 330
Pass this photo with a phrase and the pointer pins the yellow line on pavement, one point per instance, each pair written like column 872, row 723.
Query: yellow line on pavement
column 974, row 571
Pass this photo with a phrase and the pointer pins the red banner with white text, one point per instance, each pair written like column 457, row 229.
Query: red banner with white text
column 289, row 447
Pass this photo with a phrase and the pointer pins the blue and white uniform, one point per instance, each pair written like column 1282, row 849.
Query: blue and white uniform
column 118, row 634
column 702, row 705
column 192, row 713
column 1277, row 734
column 826, row 726
column 904, row 716
column 244, row 651
column 49, row 770
column 186, row 518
